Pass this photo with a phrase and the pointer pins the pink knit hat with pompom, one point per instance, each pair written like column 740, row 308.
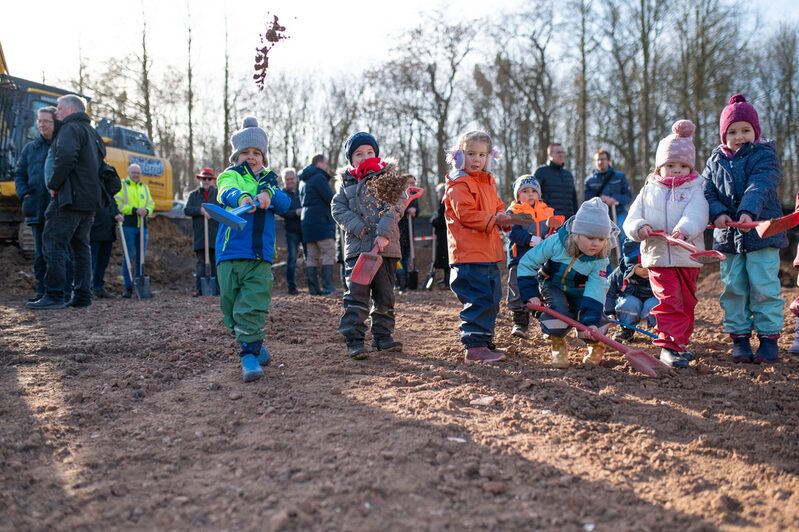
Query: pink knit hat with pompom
column 738, row 110
column 677, row 147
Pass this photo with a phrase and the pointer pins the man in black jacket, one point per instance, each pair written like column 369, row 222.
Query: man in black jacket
column 557, row 183
column 204, row 193
column 76, row 192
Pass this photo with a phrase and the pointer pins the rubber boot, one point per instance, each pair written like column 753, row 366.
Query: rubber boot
column 312, row 273
column 596, row 352
column 521, row 320
column 327, row 280
column 560, row 352
column 741, row 349
column 794, row 349
column 768, row 352
column 250, row 368
column 264, row 357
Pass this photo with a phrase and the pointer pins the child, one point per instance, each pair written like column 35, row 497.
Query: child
column 204, row 193
column 741, row 180
column 672, row 200
column 367, row 221
column 630, row 298
column 527, row 194
column 569, row 271
column 474, row 212
column 244, row 258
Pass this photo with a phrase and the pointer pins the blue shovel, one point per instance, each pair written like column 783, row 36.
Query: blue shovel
column 634, row 328
column 230, row 218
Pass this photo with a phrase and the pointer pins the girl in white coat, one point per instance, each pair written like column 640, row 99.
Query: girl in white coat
column 672, row 200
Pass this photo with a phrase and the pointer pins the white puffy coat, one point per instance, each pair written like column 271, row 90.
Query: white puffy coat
column 681, row 208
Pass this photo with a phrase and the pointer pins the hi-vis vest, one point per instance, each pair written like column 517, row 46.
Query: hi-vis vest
column 133, row 196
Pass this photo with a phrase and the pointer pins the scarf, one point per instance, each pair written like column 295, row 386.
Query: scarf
column 369, row 166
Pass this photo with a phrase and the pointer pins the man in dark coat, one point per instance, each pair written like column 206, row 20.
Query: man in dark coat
column 318, row 226
column 405, row 238
column 293, row 227
column 205, row 193
column 611, row 186
column 76, row 192
column 102, row 237
column 32, row 190
column 557, row 183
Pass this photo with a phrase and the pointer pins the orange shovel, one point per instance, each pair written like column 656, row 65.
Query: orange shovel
column 366, row 267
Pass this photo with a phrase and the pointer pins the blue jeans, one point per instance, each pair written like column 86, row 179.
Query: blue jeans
column 101, row 255
column 132, row 241
column 293, row 241
column 479, row 288
column 65, row 232
column 40, row 264
column 630, row 310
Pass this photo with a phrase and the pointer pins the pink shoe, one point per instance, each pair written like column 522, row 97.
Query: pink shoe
column 482, row 355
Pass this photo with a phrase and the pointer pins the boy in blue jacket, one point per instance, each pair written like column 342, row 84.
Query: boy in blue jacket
column 244, row 258
column 742, row 176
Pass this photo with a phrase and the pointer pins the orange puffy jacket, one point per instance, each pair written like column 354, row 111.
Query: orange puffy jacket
column 471, row 206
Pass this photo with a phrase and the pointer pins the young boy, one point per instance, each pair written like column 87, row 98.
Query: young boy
column 204, row 193
column 630, row 298
column 367, row 222
column 244, row 258
column 527, row 194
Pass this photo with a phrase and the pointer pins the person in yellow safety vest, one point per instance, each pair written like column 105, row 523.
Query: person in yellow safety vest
column 135, row 203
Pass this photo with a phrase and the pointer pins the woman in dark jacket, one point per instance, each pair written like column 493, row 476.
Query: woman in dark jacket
column 204, row 193
column 439, row 222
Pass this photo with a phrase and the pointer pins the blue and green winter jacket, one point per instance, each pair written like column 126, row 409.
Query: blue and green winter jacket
column 257, row 240
column 583, row 277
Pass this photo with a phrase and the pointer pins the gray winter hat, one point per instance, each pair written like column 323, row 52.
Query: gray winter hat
column 526, row 181
column 592, row 219
column 249, row 136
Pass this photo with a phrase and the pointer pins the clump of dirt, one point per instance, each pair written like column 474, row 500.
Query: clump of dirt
column 274, row 33
column 388, row 185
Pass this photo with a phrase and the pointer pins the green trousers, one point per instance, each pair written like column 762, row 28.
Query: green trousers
column 751, row 296
column 245, row 293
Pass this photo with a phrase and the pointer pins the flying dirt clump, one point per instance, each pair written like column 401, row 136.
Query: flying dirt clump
column 388, row 184
column 275, row 32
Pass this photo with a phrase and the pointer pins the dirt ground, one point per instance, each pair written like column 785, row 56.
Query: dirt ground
column 131, row 415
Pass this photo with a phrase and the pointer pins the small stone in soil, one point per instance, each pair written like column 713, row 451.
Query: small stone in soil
column 235, row 396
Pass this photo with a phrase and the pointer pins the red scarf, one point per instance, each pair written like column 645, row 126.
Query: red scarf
column 369, row 166
column 675, row 181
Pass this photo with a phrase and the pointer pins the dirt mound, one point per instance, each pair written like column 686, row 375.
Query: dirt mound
column 16, row 272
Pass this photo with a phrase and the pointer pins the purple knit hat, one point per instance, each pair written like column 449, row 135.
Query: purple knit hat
column 738, row 110
column 677, row 147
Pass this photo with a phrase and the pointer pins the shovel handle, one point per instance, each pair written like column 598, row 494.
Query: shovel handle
column 676, row 241
column 241, row 209
column 739, row 225
column 596, row 335
column 413, row 193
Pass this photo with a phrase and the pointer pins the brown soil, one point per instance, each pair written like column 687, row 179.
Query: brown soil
column 133, row 415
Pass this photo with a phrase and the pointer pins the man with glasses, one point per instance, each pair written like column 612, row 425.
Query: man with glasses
column 204, row 193
column 135, row 203
column 557, row 183
column 611, row 186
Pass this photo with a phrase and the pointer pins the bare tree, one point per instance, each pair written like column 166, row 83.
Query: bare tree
column 190, row 92
column 144, row 79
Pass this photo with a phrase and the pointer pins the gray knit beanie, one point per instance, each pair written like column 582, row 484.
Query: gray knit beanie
column 249, row 136
column 592, row 219
column 526, row 181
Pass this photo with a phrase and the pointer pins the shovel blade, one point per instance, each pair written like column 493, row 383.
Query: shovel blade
column 710, row 256
column 429, row 281
column 366, row 268
column 413, row 280
column 646, row 363
column 225, row 217
column 208, row 286
column 143, row 287
column 777, row 225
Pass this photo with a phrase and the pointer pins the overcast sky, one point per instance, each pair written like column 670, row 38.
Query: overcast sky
column 333, row 35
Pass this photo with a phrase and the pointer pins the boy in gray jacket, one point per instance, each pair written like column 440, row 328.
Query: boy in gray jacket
column 367, row 221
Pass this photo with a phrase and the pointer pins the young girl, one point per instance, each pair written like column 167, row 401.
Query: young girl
column 367, row 221
column 474, row 212
column 741, row 180
column 569, row 271
column 521, row 239
column 672, row 200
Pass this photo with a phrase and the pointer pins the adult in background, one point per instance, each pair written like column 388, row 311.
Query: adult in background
column 557, row 183
column 405, row 237
column 102, row 238
column 293, row 227
column 76, row 195
column 32, row 190
column 611, row 186
column 204, row 193
column 135, row 203
column 439, row 223
column 318, row 227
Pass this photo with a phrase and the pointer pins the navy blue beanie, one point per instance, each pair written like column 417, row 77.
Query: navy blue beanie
column 359, row 139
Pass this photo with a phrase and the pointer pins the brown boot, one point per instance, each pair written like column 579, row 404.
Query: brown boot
column 560, row 352
column 596, row 352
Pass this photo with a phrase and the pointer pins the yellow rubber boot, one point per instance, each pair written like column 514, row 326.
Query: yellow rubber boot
column 596, row 352
column 560, row 352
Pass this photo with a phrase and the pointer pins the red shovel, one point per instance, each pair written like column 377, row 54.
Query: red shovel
column 777, row 225
column 637, row 359
column 366, row 267
column 703, row 257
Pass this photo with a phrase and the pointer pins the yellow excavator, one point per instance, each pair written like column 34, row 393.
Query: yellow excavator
column 20, row 100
